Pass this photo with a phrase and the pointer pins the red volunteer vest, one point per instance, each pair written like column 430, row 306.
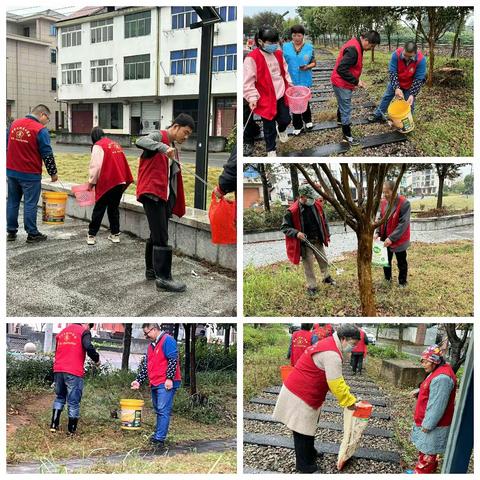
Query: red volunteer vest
column 301, row 340
column 153, row 178
column 22, row 151
column 292, row 244
column 360, row 347
column 157, row 364
column 306, row 380
column 356, row 70
column 267, row 103
column 424, row 393
column 322, row 332
column 69, row 352
column 392, row 222
column 406, row 73
column 115, row 169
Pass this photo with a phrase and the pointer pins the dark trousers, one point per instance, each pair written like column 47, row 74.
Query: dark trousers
column 69, row 390
column 251, row 129
column 30, row 190
column 402, row 266
column 269, row 126
column 157, row 217
column 109, row 201
column 299, row 118
column 357, row 362
column 305, row 453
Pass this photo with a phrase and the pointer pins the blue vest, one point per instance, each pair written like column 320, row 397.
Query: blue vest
column 296, row 60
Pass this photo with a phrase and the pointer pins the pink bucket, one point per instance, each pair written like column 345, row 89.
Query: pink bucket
column 83, row 195
column 298, row 98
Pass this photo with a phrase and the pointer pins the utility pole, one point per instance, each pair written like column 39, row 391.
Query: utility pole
column 48, row 339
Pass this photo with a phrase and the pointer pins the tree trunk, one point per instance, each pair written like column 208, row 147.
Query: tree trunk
column 455, row 45
column 431, row 61
column 373, row 55
column 294, row 178
column 193, row 366
column 441, row 181
column 389, row 38
column 364, row 271
column 186, row 327
column 127, row 342
column 226, row 343
column 263, row 176
column 175, row 331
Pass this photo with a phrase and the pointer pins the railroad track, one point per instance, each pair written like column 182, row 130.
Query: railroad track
column 268, row 444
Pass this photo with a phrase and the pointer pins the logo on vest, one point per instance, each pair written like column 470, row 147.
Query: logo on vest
column 20, row 133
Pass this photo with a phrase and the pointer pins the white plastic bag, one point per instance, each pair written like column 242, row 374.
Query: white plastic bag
column 379, row 254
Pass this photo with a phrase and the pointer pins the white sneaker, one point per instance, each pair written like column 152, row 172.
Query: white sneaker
column 297, row 132
column 91, row 240
column 309, row 125
column 114, row 238
column 283, row 136
column 273, row 153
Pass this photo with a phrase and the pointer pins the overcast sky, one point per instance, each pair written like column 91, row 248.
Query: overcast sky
column 251, row 11
column 25, row 11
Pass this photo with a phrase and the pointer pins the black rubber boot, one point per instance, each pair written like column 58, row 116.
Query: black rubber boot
column 162, row 264
column 55, row 423
column 149, row 271
column 72, row 425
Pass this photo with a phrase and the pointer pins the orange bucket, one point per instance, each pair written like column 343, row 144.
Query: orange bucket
column 285, row 371
column 364, row 410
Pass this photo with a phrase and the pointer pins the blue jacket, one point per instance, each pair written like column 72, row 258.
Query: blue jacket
column 296, row 60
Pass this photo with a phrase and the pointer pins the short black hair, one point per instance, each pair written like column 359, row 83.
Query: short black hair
column 40, row 108
column 91, row 325
column 96, row 134
column 184, row 120
column 411, row 47
column 372, row 36
column 306, row 326
column 150, row 325
column 347, row 330
column 298, row 29
column 266, row 33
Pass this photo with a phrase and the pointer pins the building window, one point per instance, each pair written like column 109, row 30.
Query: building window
column 101, row 30
column 138, row 24
column 183, row 62
column 101, row 70
column 224, row 58
column 53, row 84
column 137, row 67
column 71, row 73
column 72, row 36
column 228, row 14
column 26, row 31
column 53, row 31
column 182, row 17
column 110, row 115
column 53, row 55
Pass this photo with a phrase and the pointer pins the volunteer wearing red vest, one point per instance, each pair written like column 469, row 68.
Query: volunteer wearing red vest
column 318, row 371
column 265, row 80
column 28, row 145
column 322, row 330
column 395, row 232
column 434, row 410
column 110, row 174
column 160, row 190
column 408, row 72
column 162, row 369
column 306, row 219
column 345, row 78
column 73, row 343
column 359, row 352
column 300, row 341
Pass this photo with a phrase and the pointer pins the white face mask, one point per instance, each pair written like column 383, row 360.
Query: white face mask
column 309, row 202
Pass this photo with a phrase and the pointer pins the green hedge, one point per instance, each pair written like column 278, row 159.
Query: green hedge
column 212, row 356
column 266, row 335
column 385, row 352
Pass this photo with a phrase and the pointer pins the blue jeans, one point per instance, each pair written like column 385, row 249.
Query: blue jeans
column 344, row 101
column 30, row 190
column 387, row 98
column 69, row 389
column 162, row 404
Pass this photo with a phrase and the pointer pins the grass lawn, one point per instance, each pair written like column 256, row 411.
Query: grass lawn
column 99, row 434
column 450, row 202
column 74, row 168
column 440, row 284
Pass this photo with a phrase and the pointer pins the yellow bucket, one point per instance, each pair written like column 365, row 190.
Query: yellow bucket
column 53, row 207
column 400, row 113
column 131, row 413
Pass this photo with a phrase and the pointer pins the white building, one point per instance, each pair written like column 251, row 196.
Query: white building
column 131, row 70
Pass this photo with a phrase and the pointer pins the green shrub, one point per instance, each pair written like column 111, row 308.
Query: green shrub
column 231, row 139
column 212, row 356
column 385, row 352
column 253, row 220
column 265, row 335
column 24, row 372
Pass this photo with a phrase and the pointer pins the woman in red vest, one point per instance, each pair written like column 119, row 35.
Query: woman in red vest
column 434, row 409
column 110, row 175
column 318, row 371
column 359, row 352
column 265, row 80
column 160, row 191
column 300, row 341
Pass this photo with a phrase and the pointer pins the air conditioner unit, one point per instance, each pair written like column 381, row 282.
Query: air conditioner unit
column 169, row 80
column 107, row 87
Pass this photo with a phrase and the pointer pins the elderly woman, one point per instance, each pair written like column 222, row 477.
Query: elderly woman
column 434, row 409
column 317, row 371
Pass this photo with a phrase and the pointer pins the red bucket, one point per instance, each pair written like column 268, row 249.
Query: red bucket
column 285, row 371
column 84, row 196
column 298, row 98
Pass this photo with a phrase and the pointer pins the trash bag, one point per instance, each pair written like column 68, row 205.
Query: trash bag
column 379, row 254
column 222, row 215
column 354, row 423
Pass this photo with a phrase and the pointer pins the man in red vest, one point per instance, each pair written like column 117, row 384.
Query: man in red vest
column 28, row 145
column 110, row 174
column 395, row 232
column 345, row 78
column 306, row 219
column 300, row 341
column 434, row 409
column 359, row 352
column 73, row 343
column 160, row 190
column 408, row 71
column 162, row 369
column 322, row 330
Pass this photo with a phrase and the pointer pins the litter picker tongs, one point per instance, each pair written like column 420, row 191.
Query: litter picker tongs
column 338, row 270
